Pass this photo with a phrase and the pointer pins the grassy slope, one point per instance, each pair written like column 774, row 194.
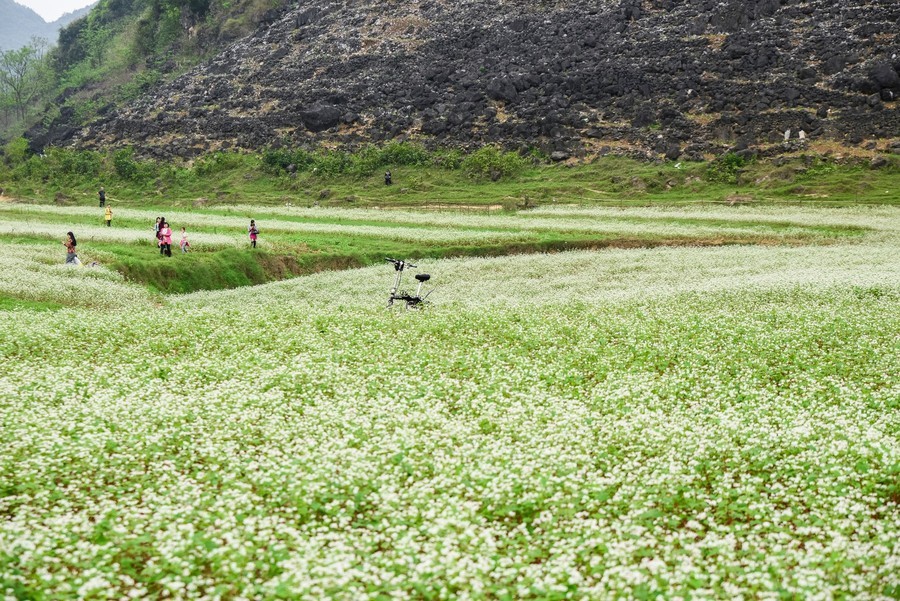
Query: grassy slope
column 617, row 180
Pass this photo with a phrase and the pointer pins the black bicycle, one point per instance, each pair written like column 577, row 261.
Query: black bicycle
column 413, row 301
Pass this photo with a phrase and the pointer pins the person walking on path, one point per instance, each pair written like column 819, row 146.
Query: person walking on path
column 102, row 194
column 165, row 240
column 70, row 244
column 108, row 215
column 254, row 232
column 185, row 245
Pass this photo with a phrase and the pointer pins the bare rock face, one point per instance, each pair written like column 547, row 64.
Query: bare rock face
column 659, row 76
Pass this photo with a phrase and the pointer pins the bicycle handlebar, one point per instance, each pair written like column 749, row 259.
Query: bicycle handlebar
column 400, row 264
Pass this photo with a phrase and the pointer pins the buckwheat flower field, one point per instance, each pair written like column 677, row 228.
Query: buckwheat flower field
column 678, row 423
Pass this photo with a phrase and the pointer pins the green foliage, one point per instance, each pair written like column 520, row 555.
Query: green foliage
column 69, row 50
column 818, row 168
column 725, row 168
column 125, row 165
column 232, row 28
column 15, row 152
column 429, row 177
column 279, row 160
column 332, row 163
column 403, row 153
column 129, row 168
column 85, row 110
column 487, row 162
column 24, row 78
column 141, row 83
column 447, row 158
column 227, row 268
column 217, row 162
column 69, row 164
column 491, row 162
column 58, row 167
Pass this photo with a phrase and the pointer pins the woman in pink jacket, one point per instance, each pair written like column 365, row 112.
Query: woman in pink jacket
column 165, row 239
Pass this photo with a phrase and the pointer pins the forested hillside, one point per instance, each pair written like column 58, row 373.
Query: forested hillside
column 107, row 56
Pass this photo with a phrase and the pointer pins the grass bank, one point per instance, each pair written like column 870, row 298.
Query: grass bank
column 484, row 179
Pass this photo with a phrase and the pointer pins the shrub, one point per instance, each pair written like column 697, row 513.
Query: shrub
column 725, row 168
column 139, row 85
column 330, row 163
column 366, row 161
column 491, row 162
column 129, row 168
column 403, row 153
column 216, row 162
column 448, row 158
column 15, row 152
column 277, row 160
column 125, row 165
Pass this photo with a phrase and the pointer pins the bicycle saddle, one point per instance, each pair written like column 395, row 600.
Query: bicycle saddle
column 423, row 277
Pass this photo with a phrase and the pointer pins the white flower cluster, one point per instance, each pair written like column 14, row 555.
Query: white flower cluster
column 89, row 233
column 218, row 223
column 700, row 423
column 455, row 227
column 37, row 273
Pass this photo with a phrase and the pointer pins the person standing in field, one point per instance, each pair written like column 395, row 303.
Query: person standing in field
column 108, row 215
column 165, row 240
column 70, row 244
column 159, row 225
column 254, row 232
column 185, row 245
column 102, row 195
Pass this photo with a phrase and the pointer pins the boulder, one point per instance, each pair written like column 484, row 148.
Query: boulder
column 879, row 162
column 884, row 75
column 502, row 89
column 673, row 152
column 834, row 65
column 320, row 117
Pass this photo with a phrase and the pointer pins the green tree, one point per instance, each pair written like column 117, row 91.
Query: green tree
column 23, row 75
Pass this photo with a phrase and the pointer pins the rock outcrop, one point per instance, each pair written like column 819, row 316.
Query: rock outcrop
column 673, row 78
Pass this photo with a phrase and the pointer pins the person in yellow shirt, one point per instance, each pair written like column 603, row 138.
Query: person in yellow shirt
column 108, row 216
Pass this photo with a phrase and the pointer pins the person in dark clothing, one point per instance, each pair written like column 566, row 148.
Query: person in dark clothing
column 387, row 178
column 102, row 194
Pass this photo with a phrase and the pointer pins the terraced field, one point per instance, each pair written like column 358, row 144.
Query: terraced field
column 693, row 402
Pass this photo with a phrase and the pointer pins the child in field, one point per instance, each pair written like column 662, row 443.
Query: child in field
column 185, row 245
column 254, row 232
column 108, row 215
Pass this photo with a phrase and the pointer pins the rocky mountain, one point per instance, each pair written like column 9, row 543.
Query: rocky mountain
column 18, row 24
column 679, row 78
